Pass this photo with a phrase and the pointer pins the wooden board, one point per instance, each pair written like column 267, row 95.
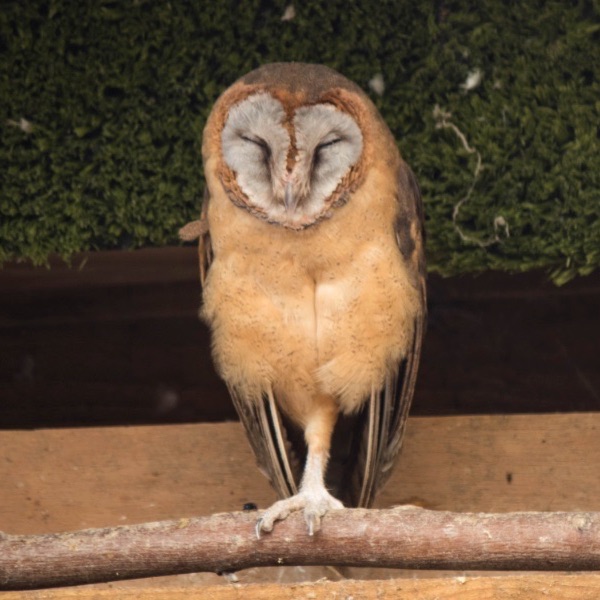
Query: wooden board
column 116, row 340
column 57, row 480
column 534, row 586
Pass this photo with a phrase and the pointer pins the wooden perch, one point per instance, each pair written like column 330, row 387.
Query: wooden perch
column 407, row 537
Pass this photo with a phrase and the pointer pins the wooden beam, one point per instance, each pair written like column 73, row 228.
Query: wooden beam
column 101, row 344
column 104, row 268
column 529, row 586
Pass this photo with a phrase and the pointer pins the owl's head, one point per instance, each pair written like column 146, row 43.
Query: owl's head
column 292, row 141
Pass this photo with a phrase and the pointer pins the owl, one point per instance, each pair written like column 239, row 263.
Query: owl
column 313, row 273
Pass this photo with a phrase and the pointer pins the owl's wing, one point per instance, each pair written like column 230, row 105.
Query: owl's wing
column 278, row 457
column 378, row 430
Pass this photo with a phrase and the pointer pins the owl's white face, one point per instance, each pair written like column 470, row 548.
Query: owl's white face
column 289, row 167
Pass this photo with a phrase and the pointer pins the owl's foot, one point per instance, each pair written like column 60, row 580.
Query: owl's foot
column 315, row 503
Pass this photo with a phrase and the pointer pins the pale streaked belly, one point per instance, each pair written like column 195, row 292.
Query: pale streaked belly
column 338, row 336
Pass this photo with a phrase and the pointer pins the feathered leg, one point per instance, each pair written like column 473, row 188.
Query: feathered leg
column 312, row 497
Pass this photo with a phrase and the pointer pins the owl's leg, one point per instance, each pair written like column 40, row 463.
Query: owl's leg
column 312, row 497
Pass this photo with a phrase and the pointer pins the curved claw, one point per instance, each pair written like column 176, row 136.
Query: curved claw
column 258, row 528
column 311, row 521
column 315, row 506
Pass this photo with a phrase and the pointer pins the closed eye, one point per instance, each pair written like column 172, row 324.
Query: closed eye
column 266, row 149
column 316, row 159
column 327, row 144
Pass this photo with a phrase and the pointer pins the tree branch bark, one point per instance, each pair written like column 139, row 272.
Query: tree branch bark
column 407, row 537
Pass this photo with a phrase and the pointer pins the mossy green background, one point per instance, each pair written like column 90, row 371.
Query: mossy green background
column 102, row 105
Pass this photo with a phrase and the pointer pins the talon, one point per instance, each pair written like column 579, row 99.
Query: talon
column 314, row 503
column 313, row 521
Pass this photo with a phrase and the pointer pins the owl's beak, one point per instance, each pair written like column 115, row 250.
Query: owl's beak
column 290, row 201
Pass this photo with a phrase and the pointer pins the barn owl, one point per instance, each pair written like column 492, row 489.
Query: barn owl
column 312, row 265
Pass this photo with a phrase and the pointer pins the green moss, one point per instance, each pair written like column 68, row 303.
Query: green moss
column 103, row 104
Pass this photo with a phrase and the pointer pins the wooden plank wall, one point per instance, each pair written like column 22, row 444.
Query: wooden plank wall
column 66, row 479
column 582, row 586
column 115, row 339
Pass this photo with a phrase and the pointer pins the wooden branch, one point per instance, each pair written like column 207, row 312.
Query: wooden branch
column 407, row 537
